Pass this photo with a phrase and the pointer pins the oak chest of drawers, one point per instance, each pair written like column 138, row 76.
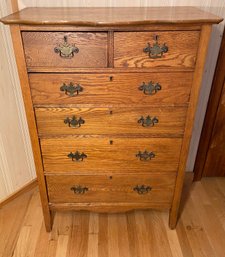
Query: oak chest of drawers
column 110, row 96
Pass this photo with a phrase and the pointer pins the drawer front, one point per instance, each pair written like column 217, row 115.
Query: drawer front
column 111, row 89
column 96, row 121
column 115, row 188
column 65, row 49
column 179, row 51
column 90, row 155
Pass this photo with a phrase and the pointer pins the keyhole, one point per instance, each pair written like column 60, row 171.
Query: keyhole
column 65, row 39
column 110, row 112
column 110, row 78
column 111, row 142
column 156, row 37
column 110, row 177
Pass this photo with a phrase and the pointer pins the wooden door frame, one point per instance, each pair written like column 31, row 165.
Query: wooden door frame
column 208, row 125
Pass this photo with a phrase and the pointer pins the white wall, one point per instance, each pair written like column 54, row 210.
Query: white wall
column 16, row 160
column 16, row 164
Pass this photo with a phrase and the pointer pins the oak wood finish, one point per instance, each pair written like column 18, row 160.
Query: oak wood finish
column 122, row 89
column 106, row 70
column 203, row 46
column 110, row 68
column 110, row 155
column 128, row 49
column 101, row 17
column 39, row 49
column 147, row 27
column 199, row 232
column 211, row 145
column 21, row 64
column 116, row 188
column 215, row 157
column 108, row 207
column 171, row 121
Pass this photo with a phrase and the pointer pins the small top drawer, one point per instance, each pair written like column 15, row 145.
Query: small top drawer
column 65, row 49
column 172, row 49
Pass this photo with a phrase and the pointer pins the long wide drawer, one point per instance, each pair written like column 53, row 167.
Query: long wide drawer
column 111, row 188
column 65, row 49
column 77, row 155
column 171, row 49
column 96, row 121
column 111, row 89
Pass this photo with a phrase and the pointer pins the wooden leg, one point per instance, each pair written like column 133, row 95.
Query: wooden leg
column 173, row 219
column 48, row 220
column 197, row 81
column 22, row 70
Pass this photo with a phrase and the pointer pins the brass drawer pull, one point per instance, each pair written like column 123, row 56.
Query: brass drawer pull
column 150, row 88
column 142, row 189
column 155, row 51
column 78, row 189
column 65, row 50
column 71, row 89
column 148, row 121
column 145, row 156
column 77, row 156
column 74, row 122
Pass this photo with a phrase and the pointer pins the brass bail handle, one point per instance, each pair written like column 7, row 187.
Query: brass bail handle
column 148, row 121
column 145, row 156
column 77, row 156
column 74, row 122
column 71, row 89
column 78, row 189
column 156, row 50
column 150, row 88
column 66, row 50
column 142, row 189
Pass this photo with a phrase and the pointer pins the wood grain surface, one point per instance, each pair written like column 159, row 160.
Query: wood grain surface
column 112, row 166
column 109, row 207
column 148, row 27
column 111, row 16
column 106, row 70
column 215, row 161
column 106, row 188
column 110, row 154
column 212, row 136
column 200, row 230
column 197, row 82
column 39, row 49
column 121, row 89
column 21, row 64
column 182, row 49
column 103, row 121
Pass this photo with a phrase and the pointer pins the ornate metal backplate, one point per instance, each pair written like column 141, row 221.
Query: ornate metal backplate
column 77, row 156
column 78, row 189
column 145, row 156
column 156, row 50
column 74, row 122
column 66, row 50
column 148, row 121
column 150, row 88
column 142, row 189
column 71, row 89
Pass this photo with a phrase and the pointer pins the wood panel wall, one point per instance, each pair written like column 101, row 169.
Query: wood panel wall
column 16, row 163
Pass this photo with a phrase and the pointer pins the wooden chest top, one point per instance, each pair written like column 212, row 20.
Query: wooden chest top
column 111, row 16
